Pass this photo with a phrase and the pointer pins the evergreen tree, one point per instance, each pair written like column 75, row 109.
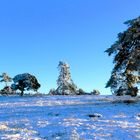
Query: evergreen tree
column 125, row 75
column 65, row 84
column 24, row 82
column 95, row 92
column 81, row 91
column 5, row 78
column 52, row 92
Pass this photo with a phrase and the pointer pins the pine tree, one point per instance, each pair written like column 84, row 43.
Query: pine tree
column 125, row 75
column 5, row 78
column 24, row 82
column 65, row 84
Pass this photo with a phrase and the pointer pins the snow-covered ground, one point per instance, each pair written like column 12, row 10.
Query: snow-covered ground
column 69, row 118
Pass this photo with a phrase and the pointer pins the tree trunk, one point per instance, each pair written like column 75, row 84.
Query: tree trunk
column 134, row 91
column 6, row 84
column 22, row 92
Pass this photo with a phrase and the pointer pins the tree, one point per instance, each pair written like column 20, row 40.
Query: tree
column 95, row 92
column 125, row 75
column 24, row 82
column 65, row 84
column 5, row 78
column 81, row 92
column 52, row 92
column 7, row 90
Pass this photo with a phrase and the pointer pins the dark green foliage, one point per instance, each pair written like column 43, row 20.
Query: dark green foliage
column 126, row 73
column 24, row 82
column 95, row 92
column 52, row 92
column 81, row 92
column 7, row 90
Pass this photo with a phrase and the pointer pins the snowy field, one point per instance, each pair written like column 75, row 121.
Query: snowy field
column 69, row 118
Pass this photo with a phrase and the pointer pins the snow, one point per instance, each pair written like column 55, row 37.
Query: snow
column 69, row 118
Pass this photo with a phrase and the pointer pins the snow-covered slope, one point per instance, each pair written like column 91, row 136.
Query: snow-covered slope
column 69, row 118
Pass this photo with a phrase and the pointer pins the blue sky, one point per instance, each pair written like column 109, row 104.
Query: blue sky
column 36, row 34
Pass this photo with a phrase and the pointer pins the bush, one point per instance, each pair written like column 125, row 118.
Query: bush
column 95, row 92
column 52, row 92
column 81, row 92
column 7, row 90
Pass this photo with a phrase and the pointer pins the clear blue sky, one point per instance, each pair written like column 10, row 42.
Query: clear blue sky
column 36, row 34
